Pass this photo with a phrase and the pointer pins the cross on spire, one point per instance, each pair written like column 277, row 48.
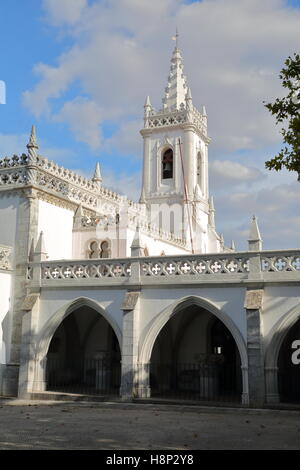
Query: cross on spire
column 176, row 37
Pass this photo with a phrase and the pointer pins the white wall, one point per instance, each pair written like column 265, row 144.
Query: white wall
column 110, row 299
column 8, row 213
column 5, row 320
column 155, row 247
column 57, row 225
column 277, row 302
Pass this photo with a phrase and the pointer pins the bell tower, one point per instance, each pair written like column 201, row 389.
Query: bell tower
column 175, row 166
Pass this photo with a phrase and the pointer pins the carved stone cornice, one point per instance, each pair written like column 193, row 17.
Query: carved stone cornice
column 11, row 192
column 29, row 192
column 5, row 257
column 56, row 201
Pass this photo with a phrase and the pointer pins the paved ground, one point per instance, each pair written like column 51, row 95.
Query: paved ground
column 120, row 426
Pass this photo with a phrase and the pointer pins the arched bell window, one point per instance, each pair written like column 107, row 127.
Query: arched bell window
column 167, row 164
column 199, row 161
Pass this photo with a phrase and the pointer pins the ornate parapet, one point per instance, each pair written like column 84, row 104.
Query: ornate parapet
column 279, row 262
column 14, row 161
column 5, row 257
column 207, row 268
column 46, row 175
column 167, row 118
column 210, row 264
column 81, row 272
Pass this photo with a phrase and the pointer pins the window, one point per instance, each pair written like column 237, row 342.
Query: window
column 104, row 253
column 167, row 164
column 98, row 249
column 199, row 169
column 94, row 250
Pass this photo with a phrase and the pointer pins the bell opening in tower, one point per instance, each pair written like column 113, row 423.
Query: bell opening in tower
column 167, row 164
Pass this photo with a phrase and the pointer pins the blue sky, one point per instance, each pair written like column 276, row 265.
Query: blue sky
column 81, row 75
column 27, row 39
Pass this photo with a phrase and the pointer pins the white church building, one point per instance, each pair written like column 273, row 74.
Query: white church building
column 108, row 297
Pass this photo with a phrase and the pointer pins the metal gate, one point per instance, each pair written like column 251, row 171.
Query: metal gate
column 88, row 376
column 193, row 381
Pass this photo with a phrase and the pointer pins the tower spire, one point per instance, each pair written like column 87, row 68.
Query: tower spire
column 97, row 174
column 32, row 145
column 176, row 89
column 137, row 248
column 254, row 240
column 32, row 140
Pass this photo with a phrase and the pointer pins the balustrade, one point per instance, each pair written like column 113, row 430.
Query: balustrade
column 219, row 266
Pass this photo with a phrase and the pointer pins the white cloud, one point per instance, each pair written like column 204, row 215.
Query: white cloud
column 226, row 172
column 84, row 118
column 64, row 11
column 277, row 209
column 128, row 185
column 126, row 139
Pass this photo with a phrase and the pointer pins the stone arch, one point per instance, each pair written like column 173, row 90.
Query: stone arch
column 171, row 310
column 95, row 248
column 92, row 248
column 167, row 314
column 47, row 332
column 105, row 248
column 277, row 334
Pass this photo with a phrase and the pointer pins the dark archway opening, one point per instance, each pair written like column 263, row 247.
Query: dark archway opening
column 289, row 372
column 84, row 355
column 195, row 357
column 167, row 164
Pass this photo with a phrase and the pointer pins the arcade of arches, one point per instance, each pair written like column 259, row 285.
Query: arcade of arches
column 194, row 357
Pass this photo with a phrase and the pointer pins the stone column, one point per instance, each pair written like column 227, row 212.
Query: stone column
column 256, row 380
column 30, row 307
column 203, row 174
column 146, row 162
column 272, row 393
column 188, row 160
column 26, row 234
column 245, row 385
column 27, row 356
column 129, row 372
column 205, row 171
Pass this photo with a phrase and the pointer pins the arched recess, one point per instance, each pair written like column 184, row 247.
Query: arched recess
column 55, row 322
column 167, row 164
column 199, row 169
column 278, row 334
column 178, row 307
